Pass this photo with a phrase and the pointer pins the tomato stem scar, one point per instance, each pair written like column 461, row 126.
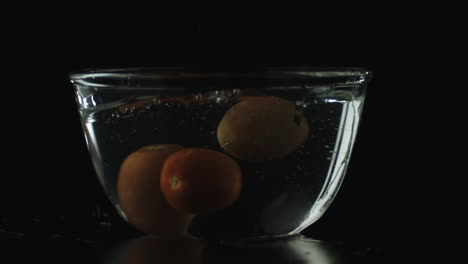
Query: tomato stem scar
column 174, row 181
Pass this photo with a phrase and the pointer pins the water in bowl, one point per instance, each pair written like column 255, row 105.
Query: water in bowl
column 279, row 197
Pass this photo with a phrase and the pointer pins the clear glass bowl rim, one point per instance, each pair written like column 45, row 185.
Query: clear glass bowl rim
column 97, row 77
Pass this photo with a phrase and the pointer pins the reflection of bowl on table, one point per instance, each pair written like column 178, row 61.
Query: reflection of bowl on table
column 146, row 250
column 293, row 250
column 296, row 250
column 220, row 155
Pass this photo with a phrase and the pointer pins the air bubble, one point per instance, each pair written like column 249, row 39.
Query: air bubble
column 198, row 97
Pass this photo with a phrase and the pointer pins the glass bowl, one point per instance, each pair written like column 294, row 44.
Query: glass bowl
column 220, row 153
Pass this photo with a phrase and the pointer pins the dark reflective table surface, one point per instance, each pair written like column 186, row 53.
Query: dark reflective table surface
column 17, row 248
column 297, row 250
column 21, row 248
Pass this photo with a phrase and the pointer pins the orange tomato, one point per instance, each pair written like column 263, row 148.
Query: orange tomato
column 262, row 128
column 200, row 180
column 140, row 194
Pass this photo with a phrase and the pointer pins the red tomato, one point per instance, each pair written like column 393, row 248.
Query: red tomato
column 200, row 180
column 140, row 194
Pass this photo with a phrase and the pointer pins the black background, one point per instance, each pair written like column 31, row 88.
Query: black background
column 405, row 185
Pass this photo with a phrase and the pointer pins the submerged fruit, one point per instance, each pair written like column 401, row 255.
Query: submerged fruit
column 200, row 180
column 262, row 128
column 140, row 194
